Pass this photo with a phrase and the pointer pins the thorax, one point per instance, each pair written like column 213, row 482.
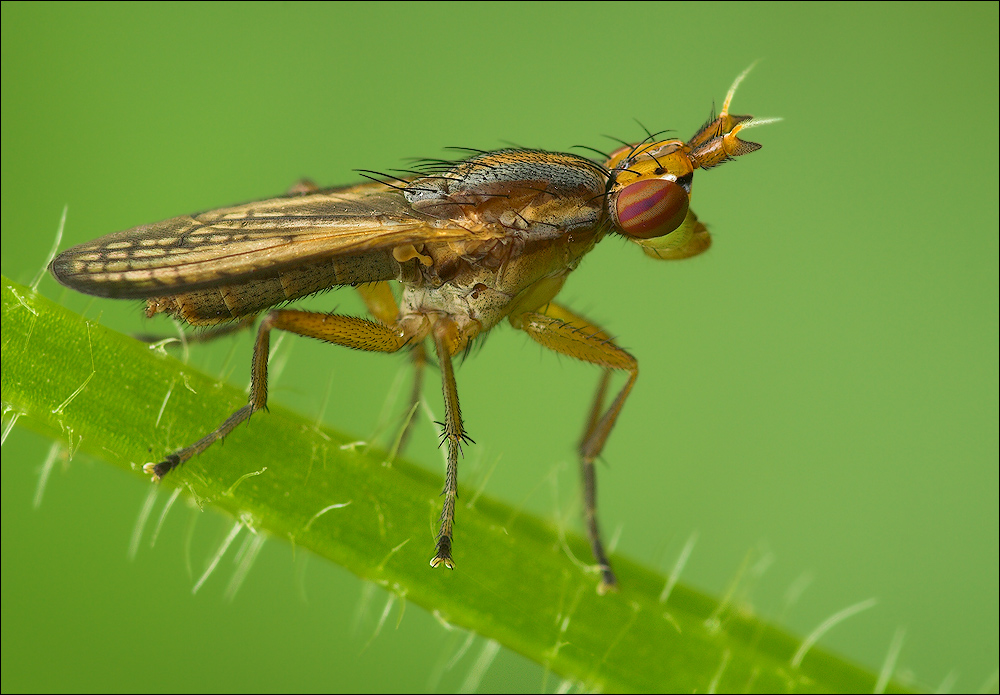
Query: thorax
column 478, row 284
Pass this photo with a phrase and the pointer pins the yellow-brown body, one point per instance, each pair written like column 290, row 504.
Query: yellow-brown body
column 470, row 243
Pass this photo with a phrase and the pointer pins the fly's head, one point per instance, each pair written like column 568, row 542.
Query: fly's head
column 649, row 187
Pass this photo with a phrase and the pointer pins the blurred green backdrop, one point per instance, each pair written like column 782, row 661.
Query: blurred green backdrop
column 818, row 395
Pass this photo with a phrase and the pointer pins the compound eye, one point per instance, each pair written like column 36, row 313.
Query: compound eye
column 650, row 208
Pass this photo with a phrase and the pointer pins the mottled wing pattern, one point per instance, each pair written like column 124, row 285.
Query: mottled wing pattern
column 236, row 243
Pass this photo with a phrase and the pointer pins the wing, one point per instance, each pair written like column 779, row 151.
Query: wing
column 238, row 243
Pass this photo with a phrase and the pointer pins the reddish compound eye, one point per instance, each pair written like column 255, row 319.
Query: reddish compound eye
column 650, row 208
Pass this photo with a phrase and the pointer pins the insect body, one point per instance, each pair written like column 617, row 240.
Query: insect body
column 472, row 242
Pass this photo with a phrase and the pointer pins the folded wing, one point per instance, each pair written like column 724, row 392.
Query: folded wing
column 238, row 243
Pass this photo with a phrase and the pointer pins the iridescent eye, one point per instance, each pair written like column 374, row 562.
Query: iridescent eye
column 649, row 208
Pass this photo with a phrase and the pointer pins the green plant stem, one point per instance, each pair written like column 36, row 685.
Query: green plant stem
column 515, row 582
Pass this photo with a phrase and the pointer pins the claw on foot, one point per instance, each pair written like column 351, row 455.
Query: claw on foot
column 158, row 470
column 443, row 555
column 437, row 561
column 607, row 586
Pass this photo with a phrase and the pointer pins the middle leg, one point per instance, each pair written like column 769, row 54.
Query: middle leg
column 445, row 334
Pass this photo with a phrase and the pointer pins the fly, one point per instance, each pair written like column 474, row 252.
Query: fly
column 472, row 242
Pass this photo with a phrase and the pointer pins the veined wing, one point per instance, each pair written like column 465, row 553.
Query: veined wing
column 237, row 243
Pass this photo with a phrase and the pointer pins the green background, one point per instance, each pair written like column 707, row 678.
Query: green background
column 818, row 394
